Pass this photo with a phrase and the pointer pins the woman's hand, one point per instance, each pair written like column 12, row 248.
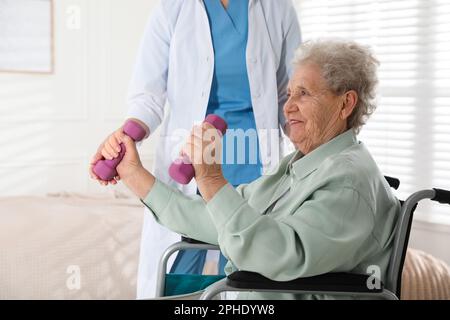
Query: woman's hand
column 204, row 149
column 130, row 163
column 131, row 171
column 110, row 149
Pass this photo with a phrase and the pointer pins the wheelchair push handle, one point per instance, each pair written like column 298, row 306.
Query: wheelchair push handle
column 393, row 182
column 441, row 196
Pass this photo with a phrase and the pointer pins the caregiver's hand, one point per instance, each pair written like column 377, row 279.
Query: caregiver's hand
column 204, row 149
column 131, row 171
column 109, row 149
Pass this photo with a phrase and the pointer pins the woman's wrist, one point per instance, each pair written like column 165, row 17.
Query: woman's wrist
column 209, row 186
column 140, row 182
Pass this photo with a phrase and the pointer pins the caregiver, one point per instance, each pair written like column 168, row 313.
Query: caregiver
column 226, row 57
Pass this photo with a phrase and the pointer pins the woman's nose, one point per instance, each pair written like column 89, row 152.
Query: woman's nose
column 290, row 106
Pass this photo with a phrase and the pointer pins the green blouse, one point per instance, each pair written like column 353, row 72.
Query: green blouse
column 328, row 211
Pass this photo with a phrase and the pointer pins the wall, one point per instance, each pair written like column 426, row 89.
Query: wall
column 51, row 124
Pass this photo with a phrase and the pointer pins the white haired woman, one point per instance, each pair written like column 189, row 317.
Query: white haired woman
column 326, row 208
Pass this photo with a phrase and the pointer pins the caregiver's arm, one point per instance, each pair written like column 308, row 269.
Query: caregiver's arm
column 148, row 86
column 147, row 90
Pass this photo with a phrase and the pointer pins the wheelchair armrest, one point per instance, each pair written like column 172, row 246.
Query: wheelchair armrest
column 192, row 241
column 330, row 282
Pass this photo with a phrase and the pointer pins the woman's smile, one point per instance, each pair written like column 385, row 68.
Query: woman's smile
column 293, row 122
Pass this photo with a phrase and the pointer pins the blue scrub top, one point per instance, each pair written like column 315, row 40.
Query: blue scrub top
column 230, row 91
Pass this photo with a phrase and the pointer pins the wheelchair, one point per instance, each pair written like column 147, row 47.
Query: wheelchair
column 336, row 284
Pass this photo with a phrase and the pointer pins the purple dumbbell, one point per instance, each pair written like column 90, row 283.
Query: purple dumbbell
column 181, row 170
column 106, row 169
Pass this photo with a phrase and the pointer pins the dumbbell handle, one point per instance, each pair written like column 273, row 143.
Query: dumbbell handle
column 106, row 169
column 181, row 170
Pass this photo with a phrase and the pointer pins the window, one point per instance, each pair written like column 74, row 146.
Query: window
column 409, row 133
column 26, row 36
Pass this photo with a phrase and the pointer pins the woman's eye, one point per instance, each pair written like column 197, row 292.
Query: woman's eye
column 297, row 94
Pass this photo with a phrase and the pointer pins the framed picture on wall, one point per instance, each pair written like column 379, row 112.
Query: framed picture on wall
column 26, row 36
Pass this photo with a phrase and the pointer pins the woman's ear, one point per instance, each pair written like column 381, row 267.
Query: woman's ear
column 349, row 104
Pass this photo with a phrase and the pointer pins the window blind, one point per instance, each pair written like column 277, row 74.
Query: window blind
column 409, row 133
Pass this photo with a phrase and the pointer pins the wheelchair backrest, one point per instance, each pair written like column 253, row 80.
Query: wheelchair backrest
column 401, row 240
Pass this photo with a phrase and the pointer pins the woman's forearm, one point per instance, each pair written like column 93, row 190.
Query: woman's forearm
column 209, row 186
column 141, row 182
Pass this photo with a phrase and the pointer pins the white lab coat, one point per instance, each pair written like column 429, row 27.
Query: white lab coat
column 175, row 64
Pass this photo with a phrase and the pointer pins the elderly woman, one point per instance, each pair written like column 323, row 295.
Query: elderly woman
column 326, row 208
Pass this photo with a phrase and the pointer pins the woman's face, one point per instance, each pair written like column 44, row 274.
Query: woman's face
column 312, row 111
